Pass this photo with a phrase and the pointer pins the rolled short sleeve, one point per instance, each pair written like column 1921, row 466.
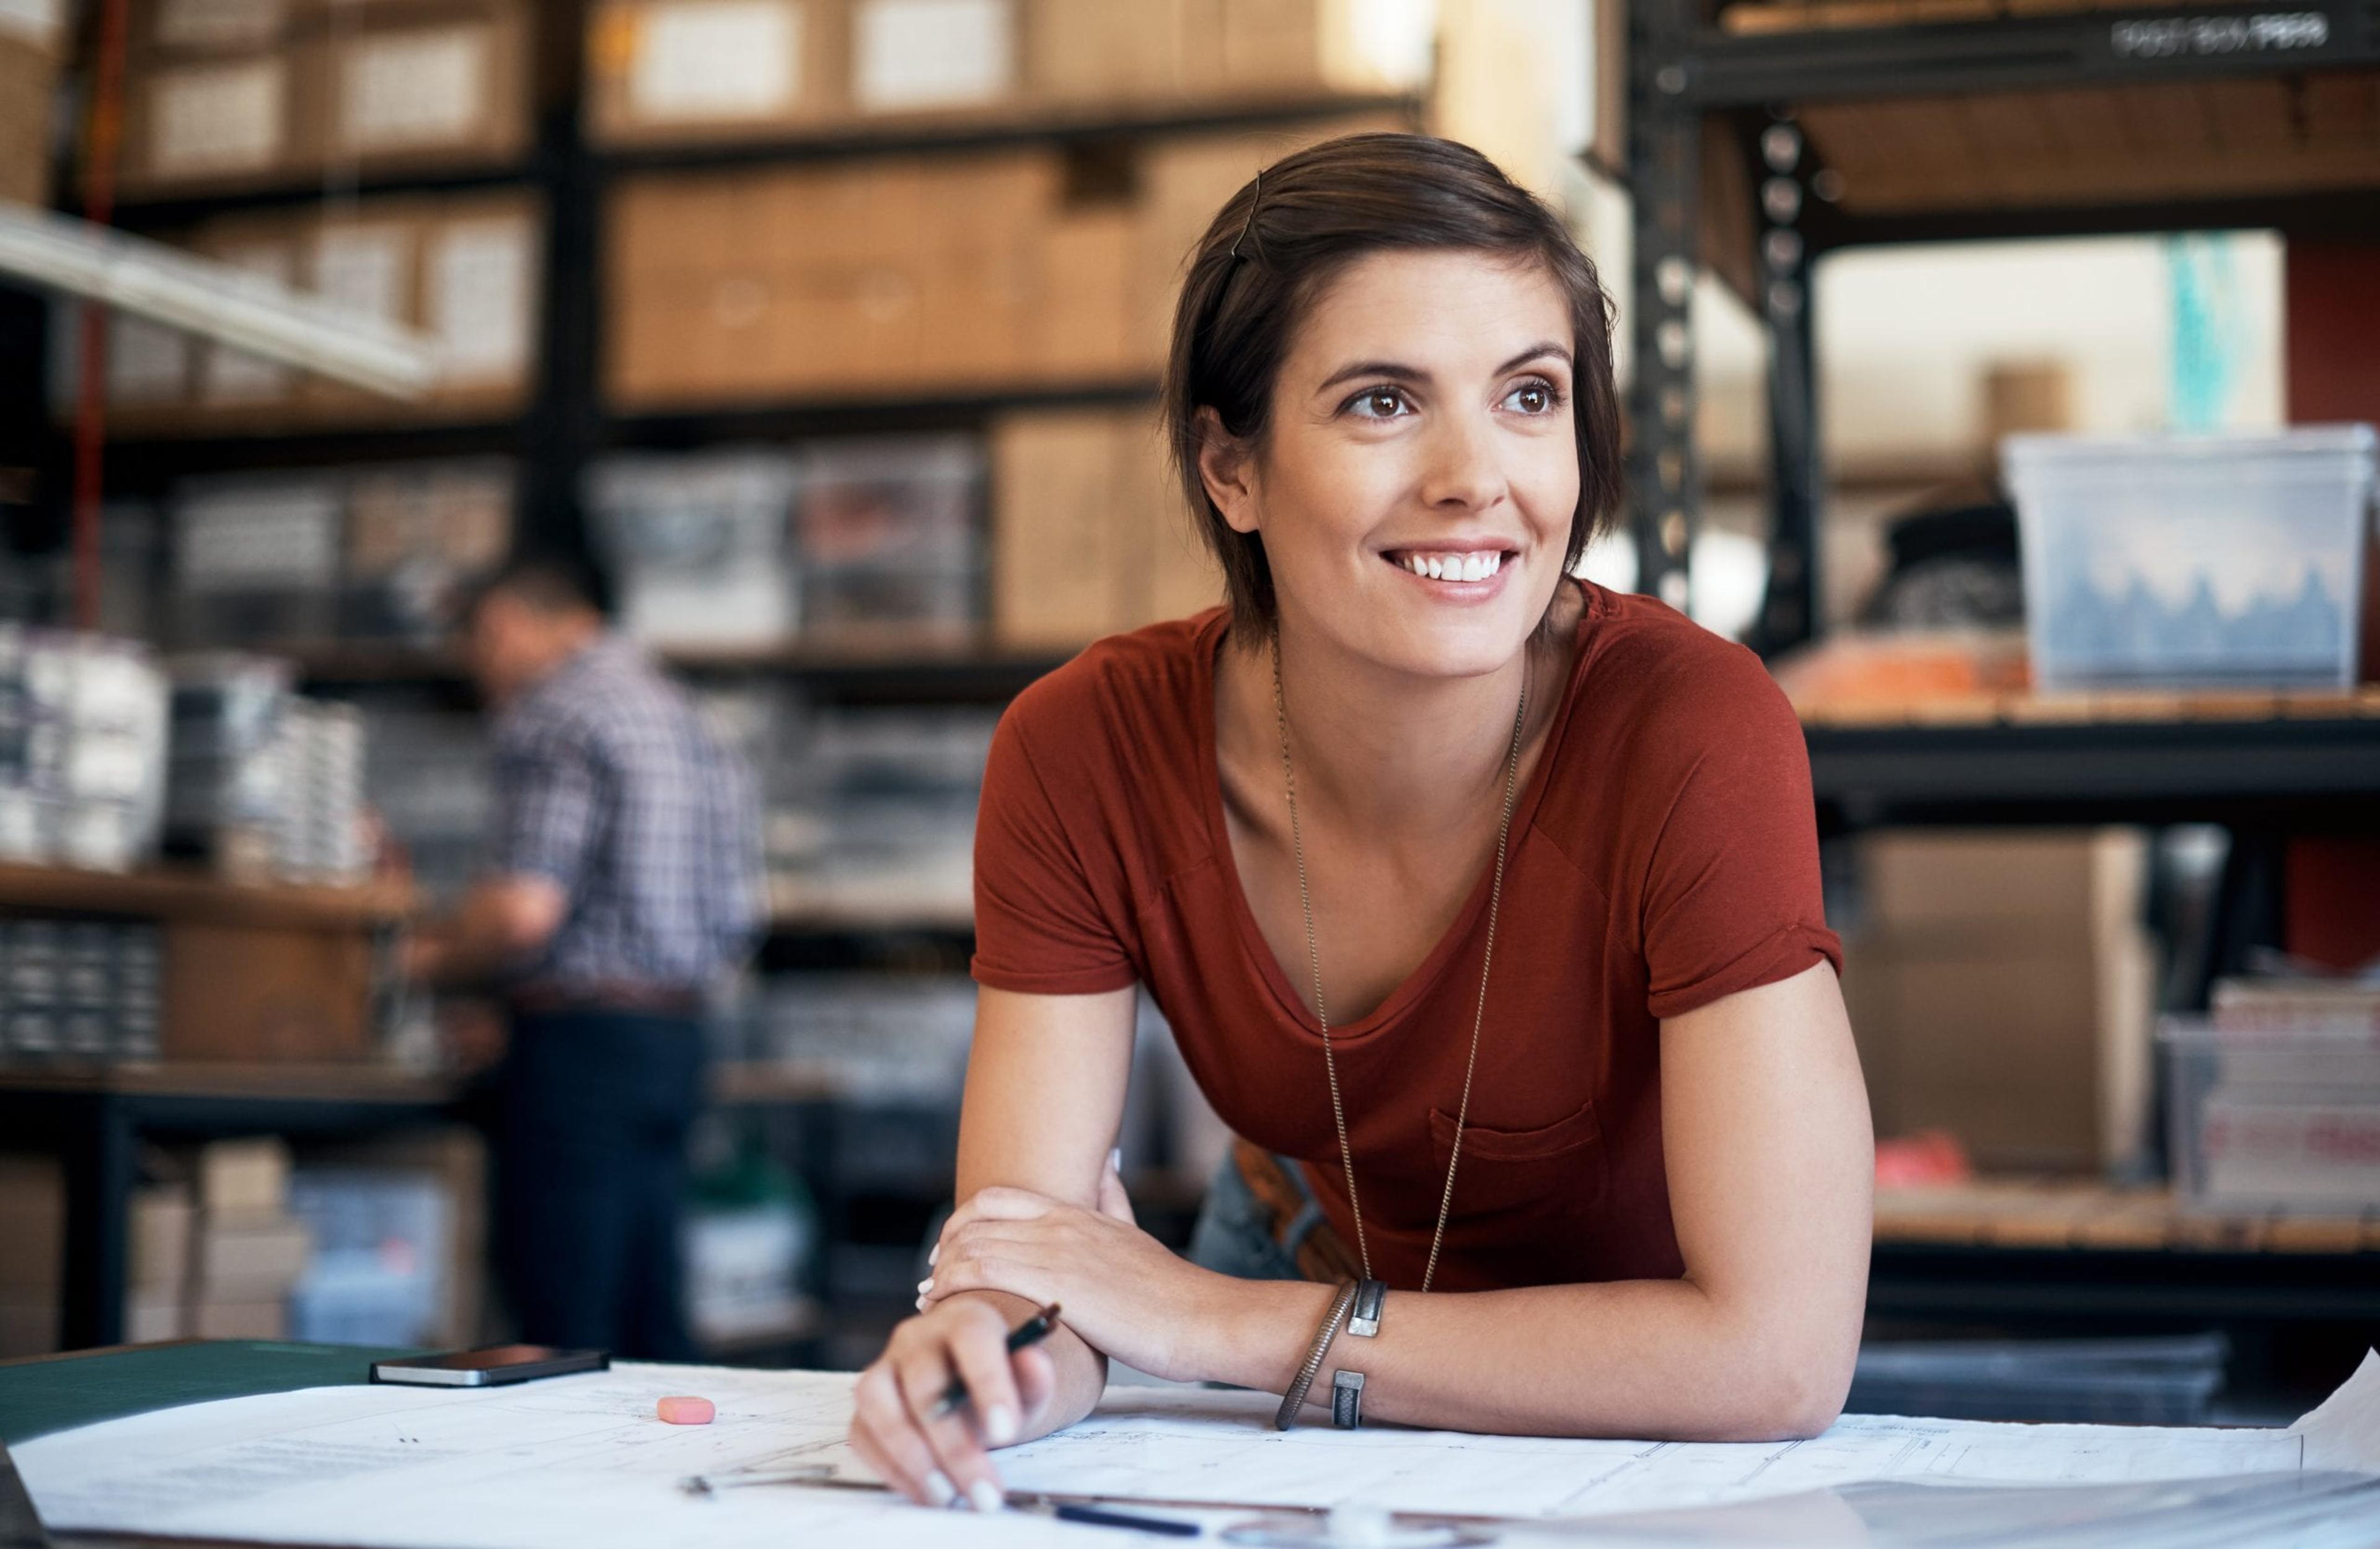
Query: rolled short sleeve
column 1732, row 899
column 549, row 807
column 1039, row 924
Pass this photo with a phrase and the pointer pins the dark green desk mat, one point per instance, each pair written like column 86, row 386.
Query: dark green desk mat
column 39, row 1397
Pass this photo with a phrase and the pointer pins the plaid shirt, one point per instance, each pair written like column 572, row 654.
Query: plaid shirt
column 608, row 783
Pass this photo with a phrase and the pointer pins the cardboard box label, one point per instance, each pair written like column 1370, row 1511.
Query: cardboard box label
column 364, row 271
column 232, row 376
column 717, row 60
column 219, row 118
column 917, row 54
column 39, row 22
column 413, row 89
column 147, row 362
column 479, row 298
column 216, row 23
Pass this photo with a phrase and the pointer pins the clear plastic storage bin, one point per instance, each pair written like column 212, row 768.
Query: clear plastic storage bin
column 2274, row 1120
column 2200, row 561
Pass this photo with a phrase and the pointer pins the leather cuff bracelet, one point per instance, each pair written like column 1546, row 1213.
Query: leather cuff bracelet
column 1363, row 1318
column 1295, row 1398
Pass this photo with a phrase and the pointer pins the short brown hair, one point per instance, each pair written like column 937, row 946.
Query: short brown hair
column 1297, row 225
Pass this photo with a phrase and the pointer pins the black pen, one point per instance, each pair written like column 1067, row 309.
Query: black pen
column 1101, row 1516
column 1032, row 1331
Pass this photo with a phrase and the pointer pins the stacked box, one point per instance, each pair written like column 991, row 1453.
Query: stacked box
column 82, row 749
column 464, row 268
column 256, row 559
column 679, row 70
column 699, row 545
column 264, row 783
column 873, row 814
column 907, row 273
column 1091, row 533
column 874, row 1038
column 32, row 34
column 32, row 1223
column 889, row 538
column 230, row 94
column 247, row 1249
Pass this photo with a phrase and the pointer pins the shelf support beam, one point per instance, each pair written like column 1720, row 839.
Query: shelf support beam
column 1664, row 153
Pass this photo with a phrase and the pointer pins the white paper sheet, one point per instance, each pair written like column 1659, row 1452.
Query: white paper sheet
column 580, row 1462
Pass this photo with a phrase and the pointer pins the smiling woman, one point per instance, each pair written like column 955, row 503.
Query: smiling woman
column 1483, row 903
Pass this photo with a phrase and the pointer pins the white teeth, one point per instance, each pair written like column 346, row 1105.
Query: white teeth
column 1455, row 568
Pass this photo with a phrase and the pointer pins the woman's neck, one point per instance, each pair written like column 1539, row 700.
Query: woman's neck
column 1386, row 750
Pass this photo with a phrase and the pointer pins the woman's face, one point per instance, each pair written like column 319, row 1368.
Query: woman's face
column 1416, row 488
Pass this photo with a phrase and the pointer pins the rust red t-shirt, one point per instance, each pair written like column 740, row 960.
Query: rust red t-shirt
column 1664, row 854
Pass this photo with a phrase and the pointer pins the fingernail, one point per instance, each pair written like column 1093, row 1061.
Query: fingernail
column 921, row 1304
column 1115, row 1160
column 933, row 1255
column 939, row 1489
column 999, row 1425
column 985, row 1495
column 923, row 1285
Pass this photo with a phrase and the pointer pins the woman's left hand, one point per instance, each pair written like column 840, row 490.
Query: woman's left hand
column 1125, row 1292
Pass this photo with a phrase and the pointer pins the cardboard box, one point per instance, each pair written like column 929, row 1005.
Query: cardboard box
column 29, row 89
column 1091, row 53
column 231, row 383
column 245, row 1179
column 186, row 27
column 676, row 70
column 215, row 123
column 158, row 1249
column 245, row 1258
column 153, row 1317
column 367, row 259
column 408, row 89
column 932, row 56
column 1089, row 533
column 1353, row 46
column 2001, row 987
column 482, row 262
column 32, row 1223
column 28, row 1327
column 850, row 277
column 240, row 1320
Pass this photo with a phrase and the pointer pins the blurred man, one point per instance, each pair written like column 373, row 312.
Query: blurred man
column 623, row 882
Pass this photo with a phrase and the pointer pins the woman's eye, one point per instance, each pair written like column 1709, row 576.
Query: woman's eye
column 1534, row 397
column 1379, row 403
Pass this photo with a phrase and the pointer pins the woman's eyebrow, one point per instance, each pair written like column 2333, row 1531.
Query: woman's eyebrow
column 1397, row 372
column 1389, row 369
column 1534, row 352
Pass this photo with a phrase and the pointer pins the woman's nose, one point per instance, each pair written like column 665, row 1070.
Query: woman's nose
column 1462, row 470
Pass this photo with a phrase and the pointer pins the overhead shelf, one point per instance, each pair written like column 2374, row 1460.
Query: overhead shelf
column 1938, row 119
column 176, row 895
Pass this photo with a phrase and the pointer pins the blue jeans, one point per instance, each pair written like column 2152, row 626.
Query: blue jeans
column 1234, row 1235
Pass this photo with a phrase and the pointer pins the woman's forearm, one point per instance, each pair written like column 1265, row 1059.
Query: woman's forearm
column 1658, row 1358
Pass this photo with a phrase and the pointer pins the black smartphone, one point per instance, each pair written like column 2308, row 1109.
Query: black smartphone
column 490, row 1367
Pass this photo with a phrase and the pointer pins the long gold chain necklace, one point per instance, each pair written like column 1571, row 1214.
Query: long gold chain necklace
column 1314, row 959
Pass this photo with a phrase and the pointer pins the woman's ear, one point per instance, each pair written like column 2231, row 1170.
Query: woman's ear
column 1228, row 472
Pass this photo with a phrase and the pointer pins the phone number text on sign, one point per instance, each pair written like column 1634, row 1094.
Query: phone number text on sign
column 2172, row 37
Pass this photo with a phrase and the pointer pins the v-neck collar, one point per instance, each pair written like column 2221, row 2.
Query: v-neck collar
column 1433, row 965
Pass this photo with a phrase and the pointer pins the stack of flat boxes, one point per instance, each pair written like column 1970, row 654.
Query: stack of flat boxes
column 231, row 94
column 246, row 1248
column 79, row 991
column 82, row 749
column 32, row 32
column 673, row 71
column 266, row 784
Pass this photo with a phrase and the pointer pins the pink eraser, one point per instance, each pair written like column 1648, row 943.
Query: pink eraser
column 686, row 1411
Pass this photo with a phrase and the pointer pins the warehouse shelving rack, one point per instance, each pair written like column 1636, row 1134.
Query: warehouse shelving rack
column 1777, row 134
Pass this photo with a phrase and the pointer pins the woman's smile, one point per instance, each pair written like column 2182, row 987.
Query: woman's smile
column 1456, row 573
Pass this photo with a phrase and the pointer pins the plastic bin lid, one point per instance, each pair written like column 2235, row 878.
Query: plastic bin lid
column 2329, row 441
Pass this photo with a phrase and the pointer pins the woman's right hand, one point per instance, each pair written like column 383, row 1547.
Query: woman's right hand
column 937, row 1462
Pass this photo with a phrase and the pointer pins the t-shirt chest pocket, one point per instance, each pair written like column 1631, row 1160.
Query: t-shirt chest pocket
column 1558, row 1168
